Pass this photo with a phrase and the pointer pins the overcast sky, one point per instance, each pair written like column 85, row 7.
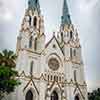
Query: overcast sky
column 85, row 15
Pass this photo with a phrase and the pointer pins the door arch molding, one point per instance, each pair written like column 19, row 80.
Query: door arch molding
column 54, row 96
column 77, row 97
column 30, row 94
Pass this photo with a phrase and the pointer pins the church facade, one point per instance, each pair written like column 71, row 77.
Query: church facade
column 52, row 71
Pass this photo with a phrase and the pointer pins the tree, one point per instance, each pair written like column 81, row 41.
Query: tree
column 7, row 58
column 8, row 81
column 94, row 95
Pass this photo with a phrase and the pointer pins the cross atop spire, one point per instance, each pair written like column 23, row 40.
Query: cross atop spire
column 34, row 5
column 65, row 20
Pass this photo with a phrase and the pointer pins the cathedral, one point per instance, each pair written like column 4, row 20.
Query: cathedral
column 52, row 70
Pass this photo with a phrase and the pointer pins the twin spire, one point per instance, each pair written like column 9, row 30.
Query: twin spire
column 65, row 19
column 34, row 5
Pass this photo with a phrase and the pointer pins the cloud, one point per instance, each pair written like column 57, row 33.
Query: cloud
column 86, row 6
column 10, row 15
column 5, row 13
column 85, row 15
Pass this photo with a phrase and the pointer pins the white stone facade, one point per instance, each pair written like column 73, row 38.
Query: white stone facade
column 54, row 71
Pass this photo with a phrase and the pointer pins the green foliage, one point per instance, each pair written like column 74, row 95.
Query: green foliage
column 7, row 58
column 95, row 95
column 8, row 81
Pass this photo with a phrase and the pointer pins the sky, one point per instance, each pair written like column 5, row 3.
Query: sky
column 85, row 15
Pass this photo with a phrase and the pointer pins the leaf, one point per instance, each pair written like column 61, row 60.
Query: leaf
column 8, row 75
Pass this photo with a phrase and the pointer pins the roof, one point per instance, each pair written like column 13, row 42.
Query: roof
column 51, row 41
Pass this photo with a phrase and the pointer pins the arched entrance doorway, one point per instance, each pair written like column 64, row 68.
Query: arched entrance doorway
column 76, row 97
column 54, row 96
column 29, row 95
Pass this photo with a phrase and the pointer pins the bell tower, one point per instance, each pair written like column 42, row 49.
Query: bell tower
column 30, row 45
column 70, row 45
column 66, row 24
column 68, row 35
column 32, row 29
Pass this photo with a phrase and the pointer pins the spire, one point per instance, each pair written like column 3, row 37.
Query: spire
column 34, row 5
column 65, row 20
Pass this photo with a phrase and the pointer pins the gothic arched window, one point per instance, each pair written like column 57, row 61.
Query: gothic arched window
column 40, row 23
column 54, row 96
column 71, row 52
column 35, row 44
column 61, row 36
column 75, row 72
column 48, row 77
column 30, row 42
column 71, row 34
column 51, row 77
column 30, row 20
column 35, row 22
column 29, row 95
column 76, row 97
column 31, row 67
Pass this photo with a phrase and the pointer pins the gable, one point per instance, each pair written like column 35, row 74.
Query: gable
column 51, row 52
column 31, row 84
column 53, row 47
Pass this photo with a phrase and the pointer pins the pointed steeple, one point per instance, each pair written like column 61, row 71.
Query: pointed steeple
column 34, row 5
column 65, row 20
